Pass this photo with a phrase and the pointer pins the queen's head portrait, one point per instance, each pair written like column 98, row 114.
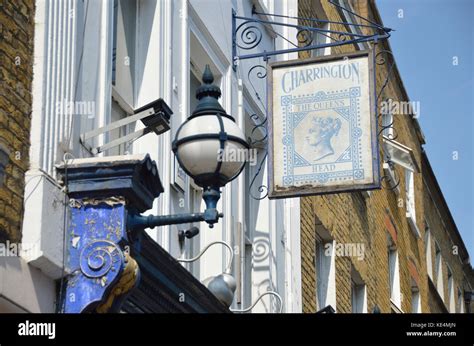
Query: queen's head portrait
column 319, row 136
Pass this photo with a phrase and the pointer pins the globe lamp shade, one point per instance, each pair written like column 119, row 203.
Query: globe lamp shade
column 209, row 146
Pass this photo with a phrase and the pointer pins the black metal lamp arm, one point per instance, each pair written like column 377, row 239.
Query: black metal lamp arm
column 138, row 222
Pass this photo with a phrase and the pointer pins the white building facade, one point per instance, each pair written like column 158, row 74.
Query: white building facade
column 98, row 61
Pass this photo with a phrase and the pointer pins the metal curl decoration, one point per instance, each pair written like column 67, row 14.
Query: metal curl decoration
column 381, row 60
column 305, row 37
column 262, row 126
column 99, row 257
column 261, row 72
column 392, row 182
column 394, row 135
column 250, row 36
column 341, row 37
column 262, row 188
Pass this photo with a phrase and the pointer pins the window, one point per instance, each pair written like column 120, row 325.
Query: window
column 350, row 18
column 439, row 271
column 415, row 297
column 123, row 70
column 358, row 293
column 410, row 193
column 268, row 5
column 397, row 153
column 123, row 51
column 325, row 269
column 194, row 84
column 394, row 273
column 410, row 201
column 429, row 259
column 321, row 38
column 415, row 300
column 451, row 304
column 460, row 302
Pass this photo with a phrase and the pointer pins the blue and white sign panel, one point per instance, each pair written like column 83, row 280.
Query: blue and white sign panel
column 322, row 126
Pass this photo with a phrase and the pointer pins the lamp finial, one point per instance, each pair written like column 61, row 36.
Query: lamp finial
column 207, row 76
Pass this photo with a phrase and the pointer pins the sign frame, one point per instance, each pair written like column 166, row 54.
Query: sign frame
column 297, row 191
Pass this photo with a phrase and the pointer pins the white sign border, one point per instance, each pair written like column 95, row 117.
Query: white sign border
column 296, row 191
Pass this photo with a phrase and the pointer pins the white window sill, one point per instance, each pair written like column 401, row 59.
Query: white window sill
column 412, row 223
column 396, row 307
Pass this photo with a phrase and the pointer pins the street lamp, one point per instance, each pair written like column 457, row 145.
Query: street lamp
column 207, row 139
column 211, row 149
column 223, row 286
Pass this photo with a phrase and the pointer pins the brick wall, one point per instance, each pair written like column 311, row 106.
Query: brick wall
column 355, row 218
column 444, row 233
column 16, row 74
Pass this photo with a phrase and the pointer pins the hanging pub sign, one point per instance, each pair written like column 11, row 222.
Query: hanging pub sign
column 322, row 125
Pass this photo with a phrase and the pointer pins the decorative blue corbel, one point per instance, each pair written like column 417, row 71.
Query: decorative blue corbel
column 107, row 196
column 98, row 258
column 102, row 192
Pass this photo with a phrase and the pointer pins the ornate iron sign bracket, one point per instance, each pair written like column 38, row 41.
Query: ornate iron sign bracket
column 247, row 35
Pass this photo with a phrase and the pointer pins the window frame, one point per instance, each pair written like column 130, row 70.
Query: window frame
column 460, row 306
column 358, row 293
column 415, row 300
column 394, row 277
column 439, row 282
column 320, row 38
column 428, row 252
column 325, row 284
column 394, row 273
column 410, row 201
column 451, row 303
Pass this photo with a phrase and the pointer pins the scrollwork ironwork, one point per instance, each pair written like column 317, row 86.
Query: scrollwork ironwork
column 260, row 71
column 258, row 126
column 305, row 37
column 262, row 188
column 250, row 35
column 390, row 179
column 381, row 60
column 387, row 130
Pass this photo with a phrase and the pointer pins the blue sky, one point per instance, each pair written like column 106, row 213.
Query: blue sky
column 427, row 38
